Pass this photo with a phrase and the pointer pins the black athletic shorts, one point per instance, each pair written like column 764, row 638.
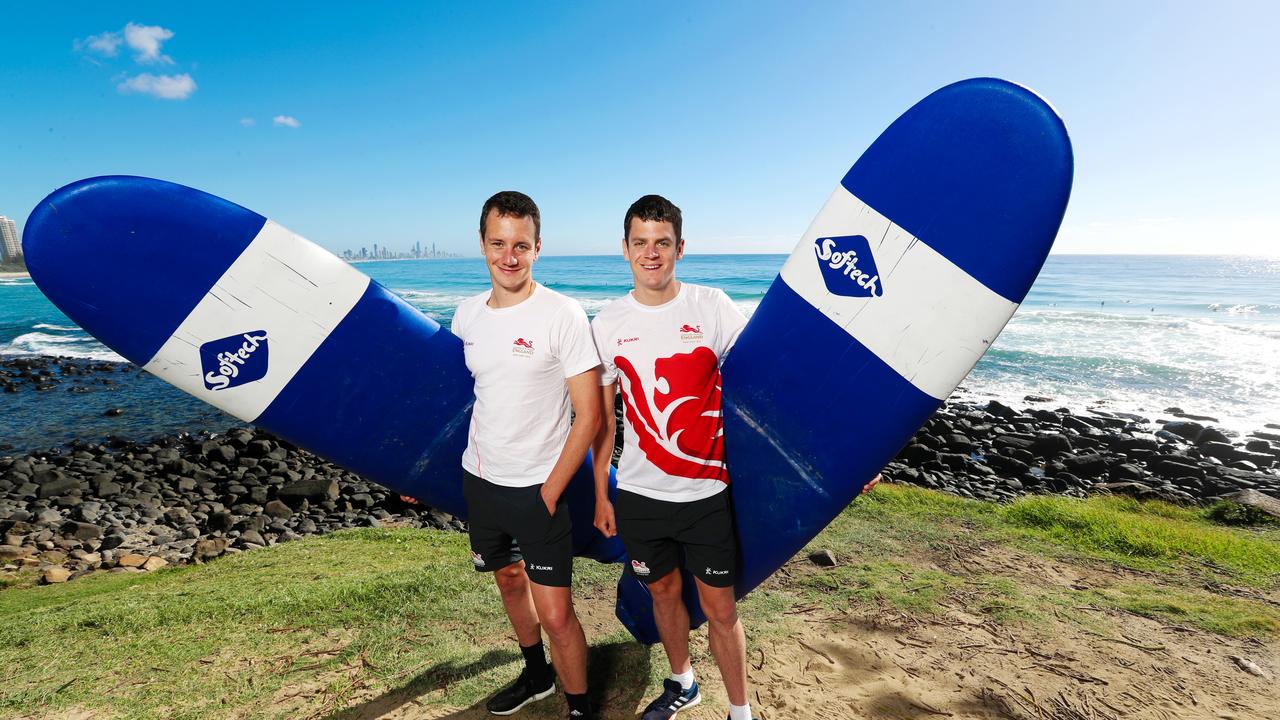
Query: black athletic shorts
column 656, row 531
column 509, row 524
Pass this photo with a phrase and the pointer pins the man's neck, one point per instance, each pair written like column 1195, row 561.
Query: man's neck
column 645, row 296
column 500, row 297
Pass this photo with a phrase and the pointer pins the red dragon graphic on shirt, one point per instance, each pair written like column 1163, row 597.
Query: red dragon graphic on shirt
column 682, row 432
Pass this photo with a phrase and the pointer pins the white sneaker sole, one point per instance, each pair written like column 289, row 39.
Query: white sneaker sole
column 532, row 698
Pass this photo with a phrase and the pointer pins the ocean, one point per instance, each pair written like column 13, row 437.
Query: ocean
column 1123, row 333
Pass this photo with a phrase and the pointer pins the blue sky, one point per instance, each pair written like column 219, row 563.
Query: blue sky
column 360, row 123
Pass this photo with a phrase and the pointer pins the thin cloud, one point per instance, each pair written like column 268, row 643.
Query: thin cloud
column 286, row 121
column 106, row 44
column 146, row 41
column 165, row 87
column 248, row 122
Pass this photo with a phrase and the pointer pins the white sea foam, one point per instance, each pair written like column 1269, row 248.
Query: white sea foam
column 75, row 346
column 63, row 328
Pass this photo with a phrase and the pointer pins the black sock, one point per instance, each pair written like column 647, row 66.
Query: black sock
column 579, row 703
column 535, row 661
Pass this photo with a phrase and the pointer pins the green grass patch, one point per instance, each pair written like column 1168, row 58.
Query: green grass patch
column 402, row 607
column 1225, row 616
column 1147, row 535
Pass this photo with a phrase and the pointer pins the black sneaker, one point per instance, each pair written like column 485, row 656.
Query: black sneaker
column 518, row 694
column 673, row 699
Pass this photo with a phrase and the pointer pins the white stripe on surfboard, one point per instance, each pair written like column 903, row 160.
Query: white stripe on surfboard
column 932, row 320
column 292, row 289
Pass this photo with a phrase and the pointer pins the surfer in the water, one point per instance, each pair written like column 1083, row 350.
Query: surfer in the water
column 664, row 342
column 530, row 351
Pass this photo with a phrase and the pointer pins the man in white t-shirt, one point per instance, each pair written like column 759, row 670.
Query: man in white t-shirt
column 664, row 342
column 530, row 351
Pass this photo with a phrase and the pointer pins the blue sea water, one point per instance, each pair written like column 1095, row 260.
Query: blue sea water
column 1131, row 333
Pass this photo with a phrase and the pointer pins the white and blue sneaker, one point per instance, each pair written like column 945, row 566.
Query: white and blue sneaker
column 673, row 699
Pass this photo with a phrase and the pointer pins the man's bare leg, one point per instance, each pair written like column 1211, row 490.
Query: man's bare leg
column 513, row 585
column 672, row 619
column 568, row 642
column 727, row 639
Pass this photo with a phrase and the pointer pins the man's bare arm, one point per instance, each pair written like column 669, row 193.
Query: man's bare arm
column 585, row 398
column 601, row 459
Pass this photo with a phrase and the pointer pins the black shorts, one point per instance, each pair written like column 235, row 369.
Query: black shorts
column 500, row 517
column 655, row 532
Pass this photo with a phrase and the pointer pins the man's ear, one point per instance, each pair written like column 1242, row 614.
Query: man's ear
column 680, row 248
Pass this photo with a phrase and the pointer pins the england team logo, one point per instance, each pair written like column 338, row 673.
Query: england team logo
column 639, row 568
column 847, row 266
column 235, row 360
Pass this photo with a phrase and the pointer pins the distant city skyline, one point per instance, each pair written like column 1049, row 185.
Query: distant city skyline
column 395, row 121
column 384, row 253
column 10, row 242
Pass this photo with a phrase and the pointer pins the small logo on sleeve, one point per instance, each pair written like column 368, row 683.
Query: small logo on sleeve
column 639, row 568
column 234, row 361
column 522, row 347
column 847, row 266
column 690, row 333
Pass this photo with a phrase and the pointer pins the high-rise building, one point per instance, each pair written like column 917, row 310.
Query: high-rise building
column 10, row 243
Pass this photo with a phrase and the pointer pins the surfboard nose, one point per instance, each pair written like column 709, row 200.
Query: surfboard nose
column 127, row 258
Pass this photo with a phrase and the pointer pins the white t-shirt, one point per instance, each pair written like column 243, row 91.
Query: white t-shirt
column 520, row 357
column 667, row 360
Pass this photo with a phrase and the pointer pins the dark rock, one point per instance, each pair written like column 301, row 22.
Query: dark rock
column 220, row 521
column 823, row 558
column 1088, row 466
column 112, row 541
column 1049, row 446
column 81, row 530
column 277, row 509
column 312, row 489
column 1211, row 435
column 1261, row 501
column 916, row 455
column 113, row 412
column 1258, row 446
column 1186, row 430
column 1001, row 410
column 209, row 548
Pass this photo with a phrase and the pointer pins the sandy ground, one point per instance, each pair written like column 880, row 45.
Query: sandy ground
column 878, row 663
column 14, row 275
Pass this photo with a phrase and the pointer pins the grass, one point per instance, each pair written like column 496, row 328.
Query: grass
column 361, row 622
column 911, row 544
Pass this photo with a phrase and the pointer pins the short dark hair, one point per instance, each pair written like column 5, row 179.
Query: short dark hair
column 653, row 208
column 510, row 203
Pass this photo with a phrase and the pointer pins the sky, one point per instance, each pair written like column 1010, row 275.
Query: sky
column 390, row 123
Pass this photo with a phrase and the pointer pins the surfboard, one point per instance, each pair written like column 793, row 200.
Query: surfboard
column 904, row 279
column 271, row 328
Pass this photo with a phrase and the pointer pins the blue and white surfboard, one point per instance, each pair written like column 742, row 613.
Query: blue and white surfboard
column 903, row 280
column 271, row 328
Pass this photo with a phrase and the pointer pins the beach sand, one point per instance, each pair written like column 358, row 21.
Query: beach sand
column 10, row 275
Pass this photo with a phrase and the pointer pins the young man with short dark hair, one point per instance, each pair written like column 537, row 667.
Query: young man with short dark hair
column 664, row 342
column 530, row 351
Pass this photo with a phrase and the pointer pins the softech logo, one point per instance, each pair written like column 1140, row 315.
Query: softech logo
column 235, row 360
column 522, row 347
column 847, row 266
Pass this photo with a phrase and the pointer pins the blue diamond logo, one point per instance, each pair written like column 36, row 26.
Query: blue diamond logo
column 235, row 360
column 847, row 266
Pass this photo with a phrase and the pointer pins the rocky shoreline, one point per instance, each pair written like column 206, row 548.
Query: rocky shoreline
column 993, row 452
column 129, row 506
column 139, row 506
